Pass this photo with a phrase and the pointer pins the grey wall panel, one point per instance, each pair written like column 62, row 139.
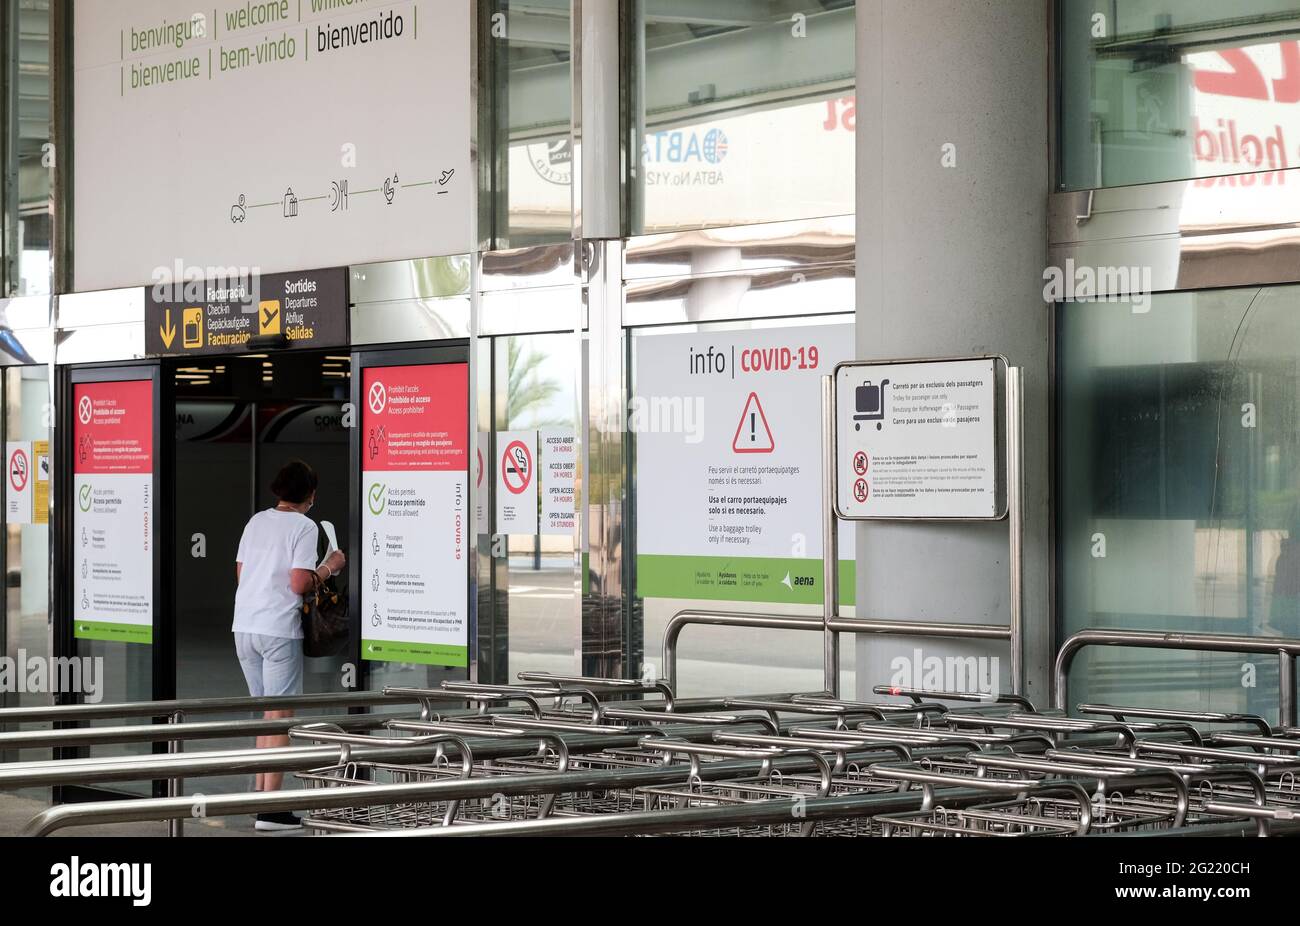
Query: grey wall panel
column 950, row 262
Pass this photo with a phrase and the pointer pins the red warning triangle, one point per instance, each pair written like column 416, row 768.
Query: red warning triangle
column 753, row 434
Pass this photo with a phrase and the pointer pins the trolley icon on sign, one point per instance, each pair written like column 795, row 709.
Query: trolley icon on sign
column 869, row 404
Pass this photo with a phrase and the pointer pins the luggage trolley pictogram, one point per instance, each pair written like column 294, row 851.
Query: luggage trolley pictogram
column 869, row 404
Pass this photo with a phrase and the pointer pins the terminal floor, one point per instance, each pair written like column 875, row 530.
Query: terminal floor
column 16, row 810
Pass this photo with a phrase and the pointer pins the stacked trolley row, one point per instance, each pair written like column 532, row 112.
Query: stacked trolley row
column 568, row 754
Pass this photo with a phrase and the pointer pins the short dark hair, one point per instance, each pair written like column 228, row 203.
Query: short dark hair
column 295, row 482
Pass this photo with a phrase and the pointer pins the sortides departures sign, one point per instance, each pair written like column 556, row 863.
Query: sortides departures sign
column 191, row 316
column 415, row 523
column 113, row 511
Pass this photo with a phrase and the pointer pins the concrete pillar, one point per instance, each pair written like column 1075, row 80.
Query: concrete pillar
column 950, row 262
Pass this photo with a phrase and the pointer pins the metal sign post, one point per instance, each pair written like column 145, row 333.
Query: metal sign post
column 924, row 509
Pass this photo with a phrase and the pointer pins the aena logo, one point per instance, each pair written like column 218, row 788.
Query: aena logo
column 685, row 147
column 76, row 878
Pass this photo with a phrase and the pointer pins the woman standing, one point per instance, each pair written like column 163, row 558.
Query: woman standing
column 275, row 567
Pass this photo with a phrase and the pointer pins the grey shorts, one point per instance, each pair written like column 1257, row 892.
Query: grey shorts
column 272, row 665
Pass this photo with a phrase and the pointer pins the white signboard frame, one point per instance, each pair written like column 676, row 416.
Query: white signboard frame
column 949, row 398
column 295, row 137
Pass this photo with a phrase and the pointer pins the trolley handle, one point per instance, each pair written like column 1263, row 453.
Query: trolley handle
column 1104, row 783
column 951, row 738
column 1047, row 724
column 1251, row 777
column 1262, row 815
column 920, row 738
column 694, row 751
column 1222, row 755
column 482, row 697
column 842, row 748
column 534, row 691
column 629, row 685
column 555, row 725
column 860, row 741
column 1278, row 743
column 333, row 733
column 883, row 710
column 839, row 710
column 1017, row 786
column 918, row 694
column 494, row 732
column 1151, row 713
column 618, row 713
column 543, row 737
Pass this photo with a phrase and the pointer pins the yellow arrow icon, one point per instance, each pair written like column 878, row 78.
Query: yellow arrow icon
column 168, row 331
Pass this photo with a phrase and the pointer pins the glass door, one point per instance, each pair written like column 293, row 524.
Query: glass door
column 412, row 544
column 533, row 465
column 107, row 474
column 24, row 624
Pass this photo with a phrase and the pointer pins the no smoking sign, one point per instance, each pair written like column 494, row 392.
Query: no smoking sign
column 18, row 470
column 517, row 467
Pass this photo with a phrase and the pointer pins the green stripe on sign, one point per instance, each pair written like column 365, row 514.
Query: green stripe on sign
column 425, row 654
column 113, row 633
column 773, row 580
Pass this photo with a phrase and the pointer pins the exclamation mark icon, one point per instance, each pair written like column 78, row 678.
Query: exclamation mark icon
column 753, row 427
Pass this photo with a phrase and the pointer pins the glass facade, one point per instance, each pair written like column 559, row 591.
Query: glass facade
column 527, row 164
column 28, row 154
column 744, row 116
column 1179, row 489
column 739, row 116
column 1154, row 90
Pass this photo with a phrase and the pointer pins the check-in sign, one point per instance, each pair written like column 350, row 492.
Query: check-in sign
column 192, row 316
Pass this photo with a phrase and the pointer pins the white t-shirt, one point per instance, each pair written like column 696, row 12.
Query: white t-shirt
column 273, row 543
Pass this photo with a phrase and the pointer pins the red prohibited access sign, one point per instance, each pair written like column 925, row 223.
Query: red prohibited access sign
column 860, row 491
column 860, row 463
column 517, row 467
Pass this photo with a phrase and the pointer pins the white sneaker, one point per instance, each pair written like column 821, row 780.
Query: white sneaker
column 271, row 822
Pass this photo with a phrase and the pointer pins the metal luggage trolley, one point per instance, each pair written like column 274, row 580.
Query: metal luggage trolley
column 1036, row 807
column 349, row 772
column 694, row 792
column 552, row 756
column 850, row 774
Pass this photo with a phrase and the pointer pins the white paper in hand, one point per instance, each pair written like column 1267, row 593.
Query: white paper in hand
column 332, row 537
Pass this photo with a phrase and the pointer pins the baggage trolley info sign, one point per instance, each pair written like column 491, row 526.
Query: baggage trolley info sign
column 917, row 440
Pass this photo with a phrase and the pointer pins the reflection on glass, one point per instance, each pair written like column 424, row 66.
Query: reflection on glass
column 29, row 154
column 537, row 382
column 1180, row 489
column 527, row 186
column 1170, row 90
column 24, row 629
column 741, row 116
